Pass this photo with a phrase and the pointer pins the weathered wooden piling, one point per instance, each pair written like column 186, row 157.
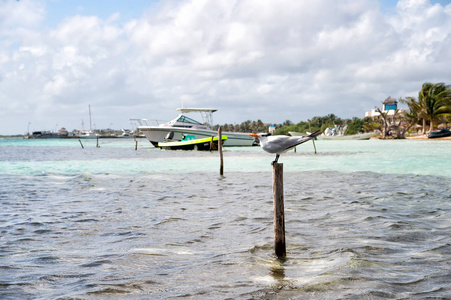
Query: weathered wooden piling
column 136, row 144
column 279, row 214
column 313, row 140
column 81, row 144
column 97, row 145
column 211, row 143
column 221, row 160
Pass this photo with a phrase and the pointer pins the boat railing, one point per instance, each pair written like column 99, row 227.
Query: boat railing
column 147, row 122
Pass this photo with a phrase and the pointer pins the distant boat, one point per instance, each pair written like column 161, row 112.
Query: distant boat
column 43, row 135
column 444, row 132
column 359, row 136
column 88, row 134
column 62, row 133
column 336, row 133
column 189, row 143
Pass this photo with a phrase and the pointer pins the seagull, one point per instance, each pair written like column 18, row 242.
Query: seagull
column 279, row 144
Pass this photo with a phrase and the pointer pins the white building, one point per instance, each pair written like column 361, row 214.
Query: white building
column 389, row 105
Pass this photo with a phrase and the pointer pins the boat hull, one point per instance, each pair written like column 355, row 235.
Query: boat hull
column 88, row 137
column 439, row 133
column 157, row 134
column 355, row 137
column 206, row 144
column 363, row 136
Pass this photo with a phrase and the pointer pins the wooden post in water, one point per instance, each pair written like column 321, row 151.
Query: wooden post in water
column 279, row 214
column 211, row 143
column 81, row 144
column 313, row 140
column 221, row 161
column 97, row 145
column 136, row 144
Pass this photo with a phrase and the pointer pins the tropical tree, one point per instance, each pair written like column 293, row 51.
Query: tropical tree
column 435, row 103
column 287, row 123
column 401, row 124
column 329, row 120
column 355, row 126
column 415, row 112
column 384, row 120
column 370, row 126
column 392, row 123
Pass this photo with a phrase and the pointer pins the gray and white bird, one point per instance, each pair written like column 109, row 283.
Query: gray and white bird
column 279, row 144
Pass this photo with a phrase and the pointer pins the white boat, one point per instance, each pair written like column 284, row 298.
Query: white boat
column 337, row 133
column 88, row 134
column 359, row 136
column 182, row 125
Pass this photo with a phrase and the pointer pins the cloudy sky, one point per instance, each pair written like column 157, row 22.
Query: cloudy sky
column 250, row 59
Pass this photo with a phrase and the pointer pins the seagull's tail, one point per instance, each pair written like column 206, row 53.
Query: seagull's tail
column 315, row 134
column 309, row 137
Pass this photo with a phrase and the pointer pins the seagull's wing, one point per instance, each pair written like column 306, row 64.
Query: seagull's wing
column 276, row 144
column 282, row 143
column 306, row 138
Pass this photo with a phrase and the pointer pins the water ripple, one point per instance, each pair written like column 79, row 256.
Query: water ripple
column 198, row 235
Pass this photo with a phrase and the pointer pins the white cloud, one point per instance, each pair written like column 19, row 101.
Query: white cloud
column 31, row 13
column 269, row 60
column 56, row 86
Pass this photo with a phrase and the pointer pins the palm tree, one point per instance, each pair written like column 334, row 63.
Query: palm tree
column 415, row 112
column 435, row 102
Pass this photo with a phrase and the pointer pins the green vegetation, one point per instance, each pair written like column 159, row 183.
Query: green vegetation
column 432, row 108
column 355, row 125
column 433, row 105
column 248, row 126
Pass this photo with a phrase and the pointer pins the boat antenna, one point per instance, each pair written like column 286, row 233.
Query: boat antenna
column 207, row 117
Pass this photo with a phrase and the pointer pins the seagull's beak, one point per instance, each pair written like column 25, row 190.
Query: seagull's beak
column 254, row 135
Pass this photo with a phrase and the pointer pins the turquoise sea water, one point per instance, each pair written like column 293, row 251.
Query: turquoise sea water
column 422, row 157
column 364, row 220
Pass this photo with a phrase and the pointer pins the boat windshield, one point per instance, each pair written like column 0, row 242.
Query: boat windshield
column 185, row 119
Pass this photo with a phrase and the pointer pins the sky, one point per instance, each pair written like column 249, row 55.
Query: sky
column 250, row 59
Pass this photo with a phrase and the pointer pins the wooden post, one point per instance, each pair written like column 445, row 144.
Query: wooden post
column 97, row 145
column 310, row 128
column 279, row 214
column 211, row 143
column 136, row 144
column 221, row 161
column 81, row 144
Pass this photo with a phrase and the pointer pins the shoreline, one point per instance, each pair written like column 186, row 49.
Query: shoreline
column 425, row 137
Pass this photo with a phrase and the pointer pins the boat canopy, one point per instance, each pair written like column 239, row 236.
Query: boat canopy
column 188, row 110
column 206, row 113
column 185, row 119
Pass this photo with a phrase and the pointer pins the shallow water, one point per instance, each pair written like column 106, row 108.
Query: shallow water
column 364, row 220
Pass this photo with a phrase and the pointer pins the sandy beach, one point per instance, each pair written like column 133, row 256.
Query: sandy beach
column 425, row 137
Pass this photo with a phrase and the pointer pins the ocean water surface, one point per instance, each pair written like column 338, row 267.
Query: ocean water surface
column 364, row 220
